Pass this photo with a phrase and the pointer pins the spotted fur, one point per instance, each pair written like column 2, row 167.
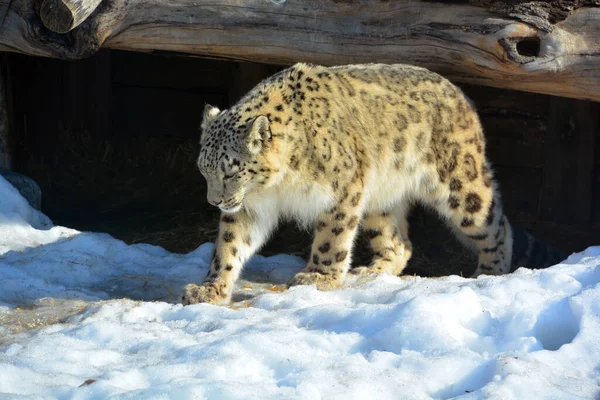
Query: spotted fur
column 342, row 147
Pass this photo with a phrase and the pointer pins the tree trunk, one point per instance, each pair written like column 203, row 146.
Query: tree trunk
column 545, row 47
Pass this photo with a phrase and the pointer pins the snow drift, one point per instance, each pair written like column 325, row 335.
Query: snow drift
column 85, row 316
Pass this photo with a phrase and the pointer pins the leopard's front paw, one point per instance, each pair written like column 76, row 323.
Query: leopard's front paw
column 206, row 293
column 323, row 282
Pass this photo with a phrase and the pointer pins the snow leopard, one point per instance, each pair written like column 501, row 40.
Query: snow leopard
column 351, row 147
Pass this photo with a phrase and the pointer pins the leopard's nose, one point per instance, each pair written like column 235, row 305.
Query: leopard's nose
column 214, row 203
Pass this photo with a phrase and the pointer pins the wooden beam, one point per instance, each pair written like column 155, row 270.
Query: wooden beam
column 63, row 15
column 569, row 161
column 522, row 50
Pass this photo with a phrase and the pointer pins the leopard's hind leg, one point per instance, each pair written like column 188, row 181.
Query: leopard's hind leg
column 388, row 236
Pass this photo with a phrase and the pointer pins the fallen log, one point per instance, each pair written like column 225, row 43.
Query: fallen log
column 528, row 46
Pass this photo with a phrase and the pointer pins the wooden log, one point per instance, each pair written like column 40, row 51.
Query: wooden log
column 515, row 48
column 569, row 152
column 5, row 145
column 63, row 15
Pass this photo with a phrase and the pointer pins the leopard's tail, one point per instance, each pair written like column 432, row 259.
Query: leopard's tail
column 530, row 252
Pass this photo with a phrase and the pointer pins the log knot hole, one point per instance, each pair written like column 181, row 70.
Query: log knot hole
column 522, row 49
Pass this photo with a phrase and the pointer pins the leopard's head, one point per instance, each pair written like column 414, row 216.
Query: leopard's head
column 237, row 156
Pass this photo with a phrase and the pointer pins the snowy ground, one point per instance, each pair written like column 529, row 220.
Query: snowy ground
column 84, row 316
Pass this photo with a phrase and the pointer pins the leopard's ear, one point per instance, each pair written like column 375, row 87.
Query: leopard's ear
column 210, row 113
column 258, row 134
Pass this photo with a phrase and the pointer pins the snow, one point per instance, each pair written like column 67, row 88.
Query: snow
column 85, row 316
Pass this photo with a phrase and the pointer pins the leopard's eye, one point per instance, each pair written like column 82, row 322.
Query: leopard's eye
column 230, row 177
